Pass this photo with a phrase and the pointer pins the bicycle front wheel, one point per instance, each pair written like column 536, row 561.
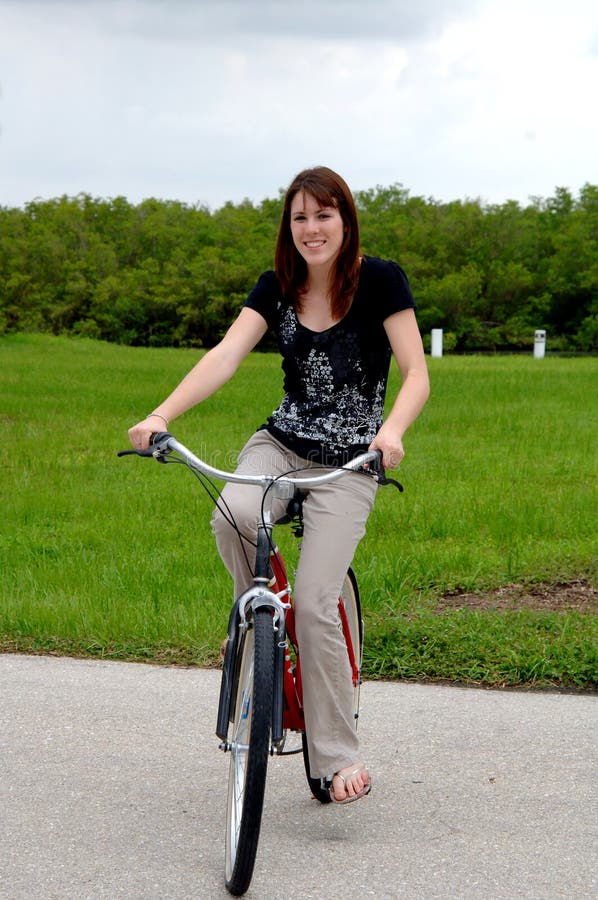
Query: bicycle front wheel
column 249, row 748
column 351, row 624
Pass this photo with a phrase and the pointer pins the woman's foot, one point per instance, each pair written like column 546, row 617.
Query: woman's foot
column 350, row 784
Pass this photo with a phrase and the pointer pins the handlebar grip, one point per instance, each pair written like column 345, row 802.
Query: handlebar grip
column 378, row 460
column 155, row 438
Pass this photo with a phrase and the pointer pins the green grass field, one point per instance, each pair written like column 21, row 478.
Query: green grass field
column 115, row 558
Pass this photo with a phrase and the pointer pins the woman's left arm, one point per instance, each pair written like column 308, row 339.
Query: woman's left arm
column 405, row 341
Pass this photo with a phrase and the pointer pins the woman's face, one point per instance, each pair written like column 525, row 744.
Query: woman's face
column 318, row 232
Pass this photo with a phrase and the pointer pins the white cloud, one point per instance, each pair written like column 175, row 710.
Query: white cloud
column 209, row 101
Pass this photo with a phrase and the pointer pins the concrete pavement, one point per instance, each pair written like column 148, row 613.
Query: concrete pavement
column 112, row 786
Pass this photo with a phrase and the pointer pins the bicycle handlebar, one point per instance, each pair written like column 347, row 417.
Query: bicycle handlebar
column 164, row 443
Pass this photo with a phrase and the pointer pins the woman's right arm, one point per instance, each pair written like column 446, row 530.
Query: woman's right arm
column 212, row 371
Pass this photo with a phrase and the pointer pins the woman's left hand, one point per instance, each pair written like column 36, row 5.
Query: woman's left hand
column 390, row 443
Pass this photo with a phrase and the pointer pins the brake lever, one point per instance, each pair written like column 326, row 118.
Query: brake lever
column 377, row 471
column 384, row 480
column 147, row 452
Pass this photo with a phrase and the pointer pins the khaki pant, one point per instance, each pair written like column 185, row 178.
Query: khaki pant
column 334, row 521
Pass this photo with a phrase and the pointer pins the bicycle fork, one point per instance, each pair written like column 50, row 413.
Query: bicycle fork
column 240, row 619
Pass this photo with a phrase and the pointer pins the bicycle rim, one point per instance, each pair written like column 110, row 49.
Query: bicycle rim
column 249, row 749
column 352, row 605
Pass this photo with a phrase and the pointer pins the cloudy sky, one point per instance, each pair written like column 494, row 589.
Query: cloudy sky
column 206, row 101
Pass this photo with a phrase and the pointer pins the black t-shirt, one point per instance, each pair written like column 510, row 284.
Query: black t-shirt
column 334, row 380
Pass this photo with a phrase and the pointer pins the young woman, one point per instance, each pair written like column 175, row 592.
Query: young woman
column 338, row 317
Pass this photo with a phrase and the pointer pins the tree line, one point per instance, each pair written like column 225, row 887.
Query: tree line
column 165, row 273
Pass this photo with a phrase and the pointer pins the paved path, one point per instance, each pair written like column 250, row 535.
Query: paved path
column 111, row 786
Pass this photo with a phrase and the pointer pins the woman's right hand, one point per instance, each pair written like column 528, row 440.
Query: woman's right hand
column 140, row 434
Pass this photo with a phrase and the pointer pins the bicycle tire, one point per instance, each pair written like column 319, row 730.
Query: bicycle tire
column 249, row 749
column 352, row 604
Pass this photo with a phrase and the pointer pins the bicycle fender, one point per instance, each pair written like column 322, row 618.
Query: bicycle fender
column 228, row 674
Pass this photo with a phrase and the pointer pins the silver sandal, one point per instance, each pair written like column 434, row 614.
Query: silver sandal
column 344, row 778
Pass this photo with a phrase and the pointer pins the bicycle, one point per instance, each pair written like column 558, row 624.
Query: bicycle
column 260, row 695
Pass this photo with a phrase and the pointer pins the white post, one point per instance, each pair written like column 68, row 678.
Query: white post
column 539, row 343
column 436, row 349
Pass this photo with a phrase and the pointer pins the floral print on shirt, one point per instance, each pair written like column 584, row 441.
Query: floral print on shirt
column 335, row 380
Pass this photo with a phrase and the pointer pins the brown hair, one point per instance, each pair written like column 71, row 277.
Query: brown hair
column 328, row 189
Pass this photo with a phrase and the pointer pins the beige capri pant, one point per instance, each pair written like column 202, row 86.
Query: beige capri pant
column 334, row 517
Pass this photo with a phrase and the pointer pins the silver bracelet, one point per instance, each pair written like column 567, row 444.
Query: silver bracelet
column 160, row 416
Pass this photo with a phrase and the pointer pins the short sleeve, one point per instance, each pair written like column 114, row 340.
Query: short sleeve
column 265, row 298
column 388, row 288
